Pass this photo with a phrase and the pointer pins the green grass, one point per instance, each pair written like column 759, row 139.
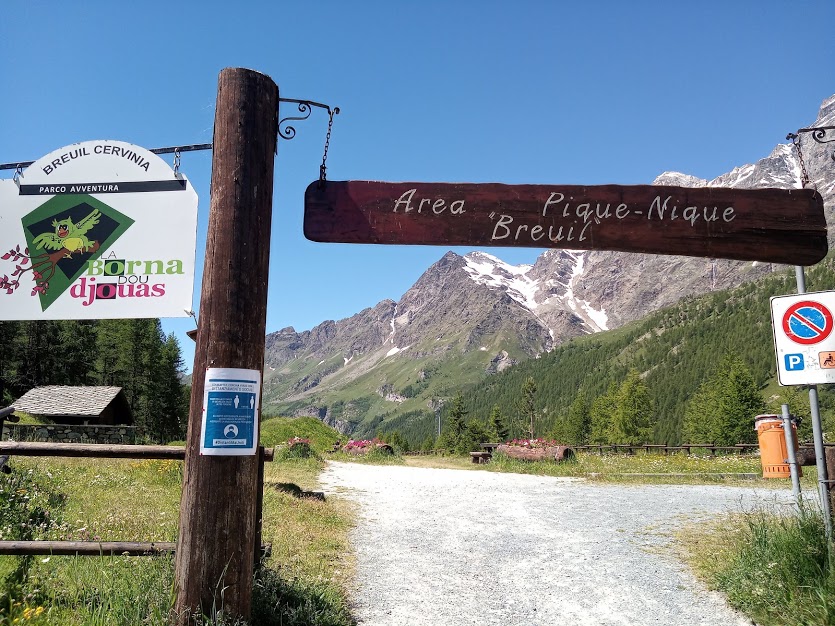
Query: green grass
column 374, row 457
column 310, row 560
column 771, row 565
column 26, row 418
column 305, row 579
column 303, row 582
column 447, row 376
column 276, row 431
column 649, row 468
column 105, row 500
column 638, row 468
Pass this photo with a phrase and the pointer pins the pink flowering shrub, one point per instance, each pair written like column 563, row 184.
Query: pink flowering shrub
column 297, row 448
column 533, row 444
column 364, row 446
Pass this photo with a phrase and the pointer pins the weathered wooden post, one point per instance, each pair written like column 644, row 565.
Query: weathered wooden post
column 215, row 545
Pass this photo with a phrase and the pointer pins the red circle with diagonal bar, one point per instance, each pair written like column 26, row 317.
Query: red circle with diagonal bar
column 807, row 322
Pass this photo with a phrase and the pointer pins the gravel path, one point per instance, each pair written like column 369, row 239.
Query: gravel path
column 439, row 547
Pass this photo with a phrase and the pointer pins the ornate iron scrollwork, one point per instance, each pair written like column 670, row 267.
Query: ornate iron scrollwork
column 821, row 134
column 287, row 131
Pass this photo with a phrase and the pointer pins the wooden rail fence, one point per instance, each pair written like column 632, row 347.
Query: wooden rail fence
column 688, row 448
column 95, row 450
column 711, row 448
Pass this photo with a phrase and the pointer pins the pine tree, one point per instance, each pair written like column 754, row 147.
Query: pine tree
column 454, row 427
column 170, row 406
column 797, row 398
column 474, row 435
column 601, row 413
column 134, row 354
column 498, row 430
column 576, row 427
column 110, row 362
column 396, row 440
column 428, row 444
column 78, row 345
column 723, row 409
column 740, row 403
column 9, row 361
column 634, row 416
column 40, row 354
column 701, row 415
column 527, row 405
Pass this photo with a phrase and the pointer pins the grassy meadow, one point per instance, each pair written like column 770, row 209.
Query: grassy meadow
column 302, row 582
column 305, row 580
column 772, row 565
column 679, row 468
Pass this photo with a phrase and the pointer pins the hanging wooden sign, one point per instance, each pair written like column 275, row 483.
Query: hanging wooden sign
column 97, row 230
column 772, row 225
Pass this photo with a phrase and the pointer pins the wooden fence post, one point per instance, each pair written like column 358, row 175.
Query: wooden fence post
column 215, row 545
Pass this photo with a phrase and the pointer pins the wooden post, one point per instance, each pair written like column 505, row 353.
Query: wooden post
column 259, row 509
column 215, row 545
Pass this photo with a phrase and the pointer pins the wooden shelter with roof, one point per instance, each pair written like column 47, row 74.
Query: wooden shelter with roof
column 77, row 405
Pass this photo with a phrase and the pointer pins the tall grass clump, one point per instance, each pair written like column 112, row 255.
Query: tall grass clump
column 276, row 431
column 303, row 584
column 776, row 568
column 31, row 507
column 296, row 448
column 640, row 467
column 548, row 467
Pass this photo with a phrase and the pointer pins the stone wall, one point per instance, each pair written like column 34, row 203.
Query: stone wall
column 62, row 433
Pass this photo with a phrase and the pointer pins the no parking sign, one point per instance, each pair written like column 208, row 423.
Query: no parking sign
column 803, row 338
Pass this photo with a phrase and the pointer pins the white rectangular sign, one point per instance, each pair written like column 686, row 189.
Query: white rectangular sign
column 97, row 230
column 803, row 338
column 230, row 412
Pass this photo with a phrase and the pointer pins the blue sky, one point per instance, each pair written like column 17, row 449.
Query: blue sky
column 456, row 91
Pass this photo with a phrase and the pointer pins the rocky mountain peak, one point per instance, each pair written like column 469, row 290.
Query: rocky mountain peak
column 482, row 315
column 677, row 179
column 826, row 114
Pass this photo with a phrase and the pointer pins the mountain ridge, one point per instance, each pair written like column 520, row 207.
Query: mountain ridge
column 469, row 316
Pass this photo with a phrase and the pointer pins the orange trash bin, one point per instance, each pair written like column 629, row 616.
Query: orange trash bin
column 773, row 450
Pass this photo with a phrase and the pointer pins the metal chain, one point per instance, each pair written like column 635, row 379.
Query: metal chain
column 804, row 175
column 17, row 172
column 176, row 161
column 323, row 169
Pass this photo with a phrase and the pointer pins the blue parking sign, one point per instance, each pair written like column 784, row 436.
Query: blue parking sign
column 794, row 362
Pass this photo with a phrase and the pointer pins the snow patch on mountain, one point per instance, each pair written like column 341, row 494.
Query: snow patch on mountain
column 678, row 179
column 515, row 280
column 596, row 320
column 485, row 269
column 390, row 338
column 779, row 169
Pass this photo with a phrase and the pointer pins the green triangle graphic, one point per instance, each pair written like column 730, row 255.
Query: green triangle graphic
column 63, row 234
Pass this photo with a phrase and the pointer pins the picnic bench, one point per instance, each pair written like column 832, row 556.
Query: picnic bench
column 481, row 457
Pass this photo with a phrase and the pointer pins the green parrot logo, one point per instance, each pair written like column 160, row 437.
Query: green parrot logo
column 68, row 236
column 62, row 236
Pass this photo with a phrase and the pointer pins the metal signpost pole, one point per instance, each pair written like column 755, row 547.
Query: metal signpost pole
column 817, row 434
column 790, row 453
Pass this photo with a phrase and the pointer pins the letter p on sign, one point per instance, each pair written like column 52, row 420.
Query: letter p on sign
column 794, row 362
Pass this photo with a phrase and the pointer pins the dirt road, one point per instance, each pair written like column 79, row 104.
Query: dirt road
column 440, row 547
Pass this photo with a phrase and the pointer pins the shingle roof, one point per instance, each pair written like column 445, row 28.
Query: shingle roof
column 64, row 400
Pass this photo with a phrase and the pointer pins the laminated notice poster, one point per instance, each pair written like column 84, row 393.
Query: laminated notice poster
column 230, row 412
